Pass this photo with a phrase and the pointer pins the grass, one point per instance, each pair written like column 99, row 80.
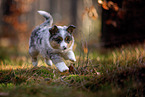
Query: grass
column 103, row 73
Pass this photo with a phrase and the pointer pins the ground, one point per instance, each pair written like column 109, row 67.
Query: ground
column 112, row 72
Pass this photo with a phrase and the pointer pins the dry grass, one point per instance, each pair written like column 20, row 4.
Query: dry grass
column 118, row 72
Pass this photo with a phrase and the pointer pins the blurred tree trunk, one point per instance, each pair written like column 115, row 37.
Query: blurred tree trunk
column 125, row 25
column 73, row 12
column 1, row 17
column 14, row 21
column 19, row 17
column 6, row 27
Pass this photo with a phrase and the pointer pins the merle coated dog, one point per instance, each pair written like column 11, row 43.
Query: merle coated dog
column 54, row 43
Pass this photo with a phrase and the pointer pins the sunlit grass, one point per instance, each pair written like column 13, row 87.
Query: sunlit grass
column 116, row 72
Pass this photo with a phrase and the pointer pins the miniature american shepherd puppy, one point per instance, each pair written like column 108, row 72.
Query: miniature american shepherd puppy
column 54, row 43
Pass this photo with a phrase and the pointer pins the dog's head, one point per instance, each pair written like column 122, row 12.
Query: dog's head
column 61, row 37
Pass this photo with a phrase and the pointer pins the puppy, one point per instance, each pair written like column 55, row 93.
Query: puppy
column 54, row 43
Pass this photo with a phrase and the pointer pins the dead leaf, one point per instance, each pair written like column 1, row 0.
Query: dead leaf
column 108, row 5
column 110, row 21
column 85, row 50
column 105, row 5
column 113, row 5
column 71, row 68
column 93, row 13
column 121, row 14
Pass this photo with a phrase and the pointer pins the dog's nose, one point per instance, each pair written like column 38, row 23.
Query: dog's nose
column 64, row 47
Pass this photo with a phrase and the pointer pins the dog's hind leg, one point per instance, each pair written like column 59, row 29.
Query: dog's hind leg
column 34, row 61
column 34, row 53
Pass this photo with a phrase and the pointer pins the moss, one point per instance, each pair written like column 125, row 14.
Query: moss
column 120, row 72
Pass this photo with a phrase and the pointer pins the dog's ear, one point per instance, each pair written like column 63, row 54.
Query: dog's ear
column 53, row 30
column 70, row 28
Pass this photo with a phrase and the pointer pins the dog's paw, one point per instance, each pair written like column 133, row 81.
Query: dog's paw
column 61, row 66
column 71, row 56
column 73, row 59
column 49, row 62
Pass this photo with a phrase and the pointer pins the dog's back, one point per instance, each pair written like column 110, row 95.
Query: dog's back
column 37, row 34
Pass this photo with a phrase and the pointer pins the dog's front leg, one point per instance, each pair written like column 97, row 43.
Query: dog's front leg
column 58, row 61
column 70, row 56
column 48, row 62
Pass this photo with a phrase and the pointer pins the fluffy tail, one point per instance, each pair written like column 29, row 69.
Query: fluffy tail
column 47, row 16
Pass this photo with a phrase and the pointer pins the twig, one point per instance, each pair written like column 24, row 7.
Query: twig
column 61, row 78
column 77, row 72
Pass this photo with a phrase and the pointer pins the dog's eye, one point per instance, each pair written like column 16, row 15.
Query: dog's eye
column 67, row 39
column 58, row 40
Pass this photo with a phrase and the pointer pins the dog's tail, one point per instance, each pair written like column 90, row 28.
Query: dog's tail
column 47, row 16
